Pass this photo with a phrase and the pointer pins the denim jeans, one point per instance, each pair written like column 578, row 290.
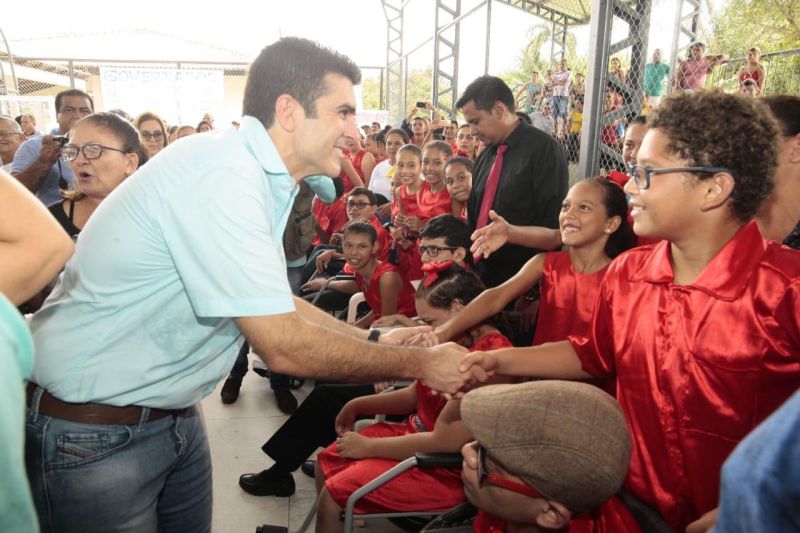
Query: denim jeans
column 148, row 477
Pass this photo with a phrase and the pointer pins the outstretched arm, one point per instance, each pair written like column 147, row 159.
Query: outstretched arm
column 491, row 238
column 33, row 247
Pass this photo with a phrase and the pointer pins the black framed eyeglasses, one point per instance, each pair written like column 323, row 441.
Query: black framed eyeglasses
column 641, row 174
column 360, row 205
column 434, row 250
column 90, row 151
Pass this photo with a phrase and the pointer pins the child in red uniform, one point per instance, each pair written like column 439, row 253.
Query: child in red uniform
column 432, row 427
column 385, row 289
column 702, row 330
column 433, row 198
column 458, row 180
column 593, row 223
column 406, row 217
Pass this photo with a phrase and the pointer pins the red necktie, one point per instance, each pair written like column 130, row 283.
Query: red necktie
column 490, row 190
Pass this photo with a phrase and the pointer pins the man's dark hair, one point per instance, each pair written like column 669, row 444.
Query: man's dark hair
column 452, row 229
column 72, row 92
column 639, row 119
column 376, row 124
column 361, row 228
column 786, row 110
column 745, row 142
column 122, row 113
column 296, row 67
column 485, row 91
column 361, row 191
column 525, row 118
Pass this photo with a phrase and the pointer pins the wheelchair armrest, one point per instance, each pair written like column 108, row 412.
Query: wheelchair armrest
column 441, row 460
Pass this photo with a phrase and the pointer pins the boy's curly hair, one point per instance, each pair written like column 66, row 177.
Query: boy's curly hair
column 713, row 129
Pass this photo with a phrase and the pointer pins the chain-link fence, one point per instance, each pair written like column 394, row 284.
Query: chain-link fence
column 781, row 73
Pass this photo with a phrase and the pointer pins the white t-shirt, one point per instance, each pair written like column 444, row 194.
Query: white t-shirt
column 380, row 182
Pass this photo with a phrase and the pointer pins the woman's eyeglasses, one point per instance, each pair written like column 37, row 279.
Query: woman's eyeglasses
column 147, row 135
column 89, row 151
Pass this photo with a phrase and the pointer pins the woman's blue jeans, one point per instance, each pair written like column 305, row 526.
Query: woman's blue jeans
column 153, row 476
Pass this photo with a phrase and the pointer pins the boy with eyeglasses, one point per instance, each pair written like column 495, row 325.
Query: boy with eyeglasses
column 443, row 238
column 701, row 330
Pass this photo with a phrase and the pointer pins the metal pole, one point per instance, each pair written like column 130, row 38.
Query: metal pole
column 595, row 87
column 71, row 74
column 488, row 35
column 11, row 63
column 383, row 96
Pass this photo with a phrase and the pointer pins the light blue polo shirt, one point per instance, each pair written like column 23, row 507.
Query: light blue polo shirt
column 16, row 360
column 140, row 315
column 27, row 153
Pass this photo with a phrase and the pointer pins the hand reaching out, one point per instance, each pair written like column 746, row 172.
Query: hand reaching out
column 490, row 238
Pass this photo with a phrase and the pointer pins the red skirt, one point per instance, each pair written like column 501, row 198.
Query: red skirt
column 416, row 489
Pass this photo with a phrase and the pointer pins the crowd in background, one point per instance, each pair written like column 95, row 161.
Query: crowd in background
column 662, row 285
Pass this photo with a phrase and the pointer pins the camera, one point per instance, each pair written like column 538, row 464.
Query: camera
column 61, row 139
column 422, row 105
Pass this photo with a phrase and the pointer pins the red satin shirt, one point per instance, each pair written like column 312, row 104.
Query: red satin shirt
column 431, row 204
column 567, row 299
column 698, row 366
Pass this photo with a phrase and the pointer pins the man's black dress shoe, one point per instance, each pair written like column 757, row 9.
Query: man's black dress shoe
column 262, row 484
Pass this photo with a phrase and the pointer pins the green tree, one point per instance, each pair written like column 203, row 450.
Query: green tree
column 772, row 25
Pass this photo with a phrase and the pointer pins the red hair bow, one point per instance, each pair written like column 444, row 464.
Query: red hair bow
column 433, row 269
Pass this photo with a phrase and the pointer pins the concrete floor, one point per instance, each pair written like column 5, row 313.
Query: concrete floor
column 236, row 433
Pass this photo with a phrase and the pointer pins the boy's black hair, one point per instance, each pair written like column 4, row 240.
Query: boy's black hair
column 452, row 229
column 361, row 191
column 361, row 228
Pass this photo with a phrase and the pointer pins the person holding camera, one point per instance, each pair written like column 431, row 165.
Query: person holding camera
column 37, row 163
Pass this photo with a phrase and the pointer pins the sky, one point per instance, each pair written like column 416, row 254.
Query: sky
column 356, row 28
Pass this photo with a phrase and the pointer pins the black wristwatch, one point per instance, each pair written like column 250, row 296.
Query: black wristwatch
column 374, row 334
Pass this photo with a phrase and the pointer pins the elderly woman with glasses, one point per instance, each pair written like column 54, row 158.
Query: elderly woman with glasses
column 153, row 132
column 103, row 150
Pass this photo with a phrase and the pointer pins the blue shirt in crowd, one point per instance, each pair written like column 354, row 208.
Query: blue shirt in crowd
column 27, row 153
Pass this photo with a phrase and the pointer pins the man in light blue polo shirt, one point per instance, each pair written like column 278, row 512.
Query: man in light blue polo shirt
column 37, row 163
column 170, row 271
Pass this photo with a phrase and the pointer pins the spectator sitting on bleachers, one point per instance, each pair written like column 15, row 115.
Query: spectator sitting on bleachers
column 458, row 180
column 37, row 163
column 444, row 238
column 543, row 119
column 695, row 385
column 11, row 138
column 547, row 455
column 153, row 132
column 575, row 126
column 434, row 424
